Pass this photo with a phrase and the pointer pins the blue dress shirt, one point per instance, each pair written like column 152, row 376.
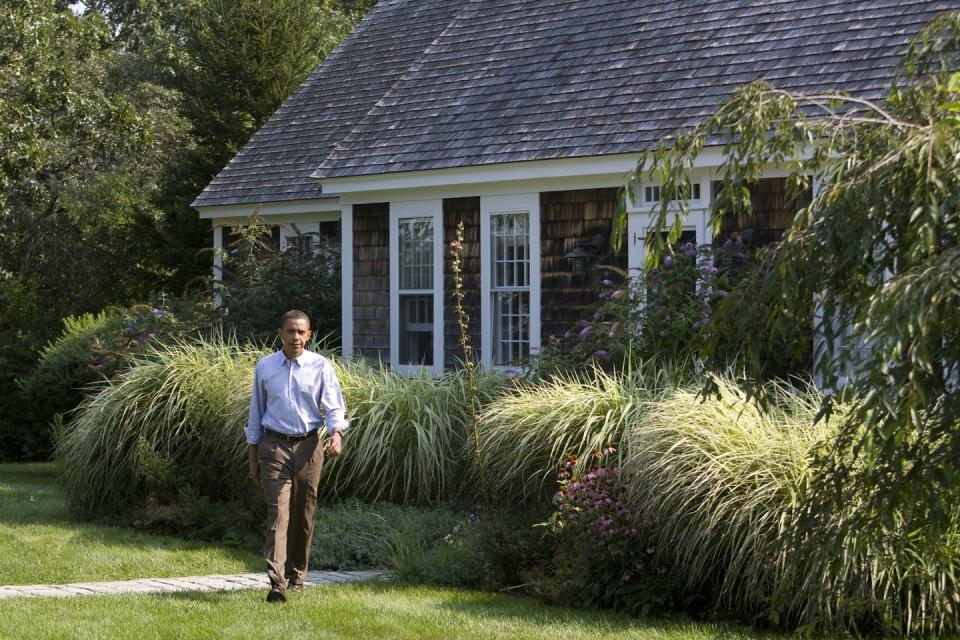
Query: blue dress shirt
column 295, row 397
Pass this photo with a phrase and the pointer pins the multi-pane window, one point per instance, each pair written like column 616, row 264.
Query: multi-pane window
column 654, row 193
column 416, row 292
column 510, row 287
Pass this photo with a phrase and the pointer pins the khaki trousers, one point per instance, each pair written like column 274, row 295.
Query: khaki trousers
column 290, row 472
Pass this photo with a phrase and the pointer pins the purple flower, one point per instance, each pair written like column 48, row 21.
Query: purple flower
column 616, row 295
column 607, row 283
column 639, row 327
column 158, row 313
column 234, row 252
column 586, row 332
column 688, row 249
column 601, row 353
column 667, row 261
column 634, row 291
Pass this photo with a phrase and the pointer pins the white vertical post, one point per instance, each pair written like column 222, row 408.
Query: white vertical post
column 217, row 265
column 346, row 285
column 535, row 283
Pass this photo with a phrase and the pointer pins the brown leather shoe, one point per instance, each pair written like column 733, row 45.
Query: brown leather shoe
column 276, row 594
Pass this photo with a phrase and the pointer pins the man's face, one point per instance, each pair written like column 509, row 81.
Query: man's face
column 294, row 334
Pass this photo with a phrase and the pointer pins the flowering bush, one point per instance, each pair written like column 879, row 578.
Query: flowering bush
column 604, row 556
column 651, row 316
column 91, row 348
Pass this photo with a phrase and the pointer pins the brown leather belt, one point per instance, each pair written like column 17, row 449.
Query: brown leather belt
column 283, row 436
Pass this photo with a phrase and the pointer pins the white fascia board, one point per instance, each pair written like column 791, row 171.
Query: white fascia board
column 608, row 167
column 272, row 209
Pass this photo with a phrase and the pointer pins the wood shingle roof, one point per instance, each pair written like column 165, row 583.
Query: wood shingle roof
column 428, row 84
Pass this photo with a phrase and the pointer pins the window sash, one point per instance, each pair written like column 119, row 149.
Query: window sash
column 415, row 249
column 510, row 287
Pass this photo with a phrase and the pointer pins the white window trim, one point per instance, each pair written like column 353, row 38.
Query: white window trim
column 637, row 201
column 291, row 231
column 432, row 209
column 346, row 275
column 528, row 203
column 638, row 226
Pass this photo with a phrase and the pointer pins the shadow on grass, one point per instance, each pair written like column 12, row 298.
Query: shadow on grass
column 31, row 497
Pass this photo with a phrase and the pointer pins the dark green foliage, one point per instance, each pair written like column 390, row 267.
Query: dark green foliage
column 90, row 349
column 260, row 283
column 355, row 535
column 114, row 116
column 873, row 261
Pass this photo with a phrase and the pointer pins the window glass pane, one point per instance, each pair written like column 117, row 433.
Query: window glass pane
column 510, row 287
column 416, row 330
column 511, row 327
column 416, row 253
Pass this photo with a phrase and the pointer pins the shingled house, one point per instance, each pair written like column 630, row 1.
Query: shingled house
column 520, row 118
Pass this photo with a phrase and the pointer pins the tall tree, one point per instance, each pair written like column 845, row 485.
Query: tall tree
column 877, row 252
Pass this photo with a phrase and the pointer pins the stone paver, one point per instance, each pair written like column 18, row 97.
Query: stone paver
column 169, row 585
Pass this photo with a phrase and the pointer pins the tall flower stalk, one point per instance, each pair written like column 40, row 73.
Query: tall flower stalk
column 469, row 366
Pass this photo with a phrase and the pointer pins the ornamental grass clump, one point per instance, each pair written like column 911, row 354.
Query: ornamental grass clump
column 185, row 401
column 408, row 434
column 180, row 410
column 723, row 477
column 528, row 433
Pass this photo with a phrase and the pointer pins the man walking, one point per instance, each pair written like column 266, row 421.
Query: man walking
column 295, row 393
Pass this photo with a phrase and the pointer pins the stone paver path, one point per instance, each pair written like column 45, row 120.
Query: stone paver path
column 168, row 585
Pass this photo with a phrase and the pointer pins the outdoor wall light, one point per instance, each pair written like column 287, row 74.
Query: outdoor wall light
column 583, row 256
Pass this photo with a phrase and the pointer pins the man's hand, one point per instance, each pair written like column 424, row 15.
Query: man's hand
column 334, row 445
column 254, row 464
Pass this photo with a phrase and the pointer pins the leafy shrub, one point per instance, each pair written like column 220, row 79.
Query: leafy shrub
column 90, row 349
column 653, row 316
column 479, row 551
column 261, row 282
column 605, row 555
column 24, row 327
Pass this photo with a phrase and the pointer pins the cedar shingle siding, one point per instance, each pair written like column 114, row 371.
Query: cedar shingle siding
column 466, row 210
column 569, row 218
column 371, row 281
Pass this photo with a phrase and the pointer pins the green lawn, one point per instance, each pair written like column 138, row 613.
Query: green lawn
column 361, row 611
column 41, row 544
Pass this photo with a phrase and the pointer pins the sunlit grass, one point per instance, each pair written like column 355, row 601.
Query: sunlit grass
column 358, row 612
column 41, row 544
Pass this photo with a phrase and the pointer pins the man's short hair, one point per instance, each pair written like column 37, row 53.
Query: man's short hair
column 294, row 314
